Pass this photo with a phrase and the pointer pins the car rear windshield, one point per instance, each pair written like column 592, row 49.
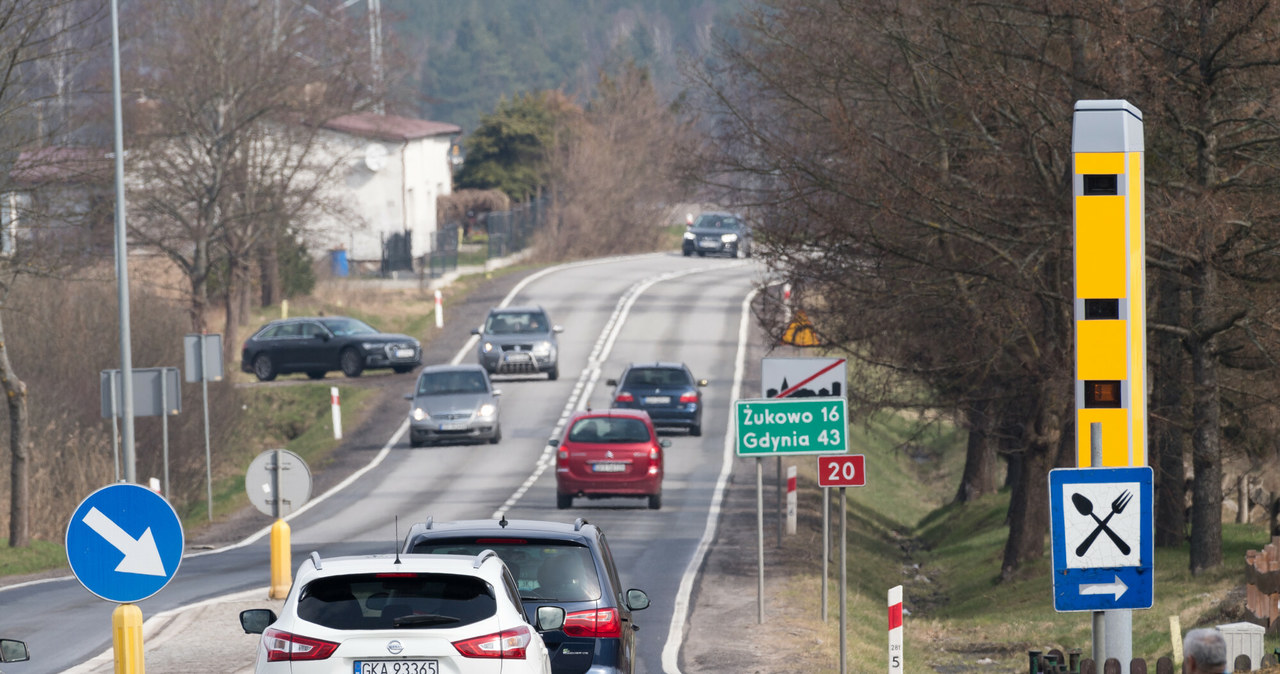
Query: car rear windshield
column 515, row 323
column 656, row 377
column 369, row 601
column 609, row 429
column 547, row 570
column 446, row 383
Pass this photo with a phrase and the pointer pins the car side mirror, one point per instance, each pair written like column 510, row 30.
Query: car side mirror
column 557, row 328
column 12, row 650
column 475, row 331
column 702, row 382
column 497, row 392
column 549, row 618
column 637, row 600
column 611, row 382
column 256, row 620
column 664, row 443
column 408, row 396
column 553, row 443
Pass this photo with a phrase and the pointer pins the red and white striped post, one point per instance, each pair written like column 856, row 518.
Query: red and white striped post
column 439, row 309
column 895, row 630
column 791, row 499
column 337, row 412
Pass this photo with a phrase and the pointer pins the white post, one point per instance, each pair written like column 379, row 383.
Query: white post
column 895, row 630
column 337, row 413
column 439, row 309
column 791, row 499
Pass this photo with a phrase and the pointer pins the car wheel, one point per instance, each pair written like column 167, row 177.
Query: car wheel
column 655, row 501
column 316, row 374
column 401, row 369
column 695, row 430
column 564, row 501
column 264, row 368
column 702, row 253
column 554, row 373
column 497, row 436
column 414, row 442
column 687, row 252
column 352, row 362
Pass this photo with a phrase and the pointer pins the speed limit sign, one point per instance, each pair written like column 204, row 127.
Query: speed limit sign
column 844, row 470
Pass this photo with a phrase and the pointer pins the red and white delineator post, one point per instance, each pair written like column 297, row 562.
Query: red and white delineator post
column 895, row 630
column 439, row 309
column 791, row 499
column 337, row 412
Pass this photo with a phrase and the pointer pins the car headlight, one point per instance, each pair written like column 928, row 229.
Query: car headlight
column 542, row 348
column 689, row 236
column 487, row 410
column 371, row 346
column 419, row 414
column 487, row 347
column 728, row 238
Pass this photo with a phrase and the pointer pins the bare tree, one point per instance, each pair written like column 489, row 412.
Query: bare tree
column 229, row 103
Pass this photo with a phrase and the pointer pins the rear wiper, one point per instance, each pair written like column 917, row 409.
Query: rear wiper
column 424, row 619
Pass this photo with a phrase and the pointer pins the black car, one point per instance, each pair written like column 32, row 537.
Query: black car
column 554, row 564
column 667, row 391
column 718, row 234
column 319, row 345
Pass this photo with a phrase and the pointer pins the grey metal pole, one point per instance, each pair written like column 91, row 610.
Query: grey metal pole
column 122, row 256
column 204, row 385
column 164, row 424
column 1099, row 617
column 115, row 424
column 782, row 506
column 759, row 541
column 844, row 579
column 826, row 546
column 275, row 484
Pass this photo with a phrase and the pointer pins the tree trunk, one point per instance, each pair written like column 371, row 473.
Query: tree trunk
column 1168, row 445
column 269, row 263
column 1206, row 448
column 1029, row 500
column 980, row 456
column 20, row 489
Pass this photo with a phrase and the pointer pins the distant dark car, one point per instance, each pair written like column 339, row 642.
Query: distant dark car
column 320, row 345
column 718, row 234
column 554, row 564
column 452, row 403
column 667, row 391
column 519, row 340
column 608, row 453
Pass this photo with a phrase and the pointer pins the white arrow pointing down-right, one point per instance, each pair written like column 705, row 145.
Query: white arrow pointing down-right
column 141, row 556
column 1117, row 588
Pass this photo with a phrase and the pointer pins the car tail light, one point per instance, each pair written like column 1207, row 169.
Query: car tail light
column 507, row 644
column 562, row 458
column 282, row 646
column 689, row 397
column 655, row 460
column 624, row 398
column 594, row 623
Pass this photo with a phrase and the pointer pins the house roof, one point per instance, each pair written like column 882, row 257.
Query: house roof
column 390, row 127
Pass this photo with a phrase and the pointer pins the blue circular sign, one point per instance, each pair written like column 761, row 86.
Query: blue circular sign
column 124, row 543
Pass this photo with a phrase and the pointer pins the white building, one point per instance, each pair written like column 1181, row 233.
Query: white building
column 397, row 168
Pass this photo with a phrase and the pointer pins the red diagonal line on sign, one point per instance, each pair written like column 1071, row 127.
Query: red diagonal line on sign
column 813, row 376
column 895, row 616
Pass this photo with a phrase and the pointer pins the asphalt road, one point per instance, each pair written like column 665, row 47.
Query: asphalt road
column 654, row 307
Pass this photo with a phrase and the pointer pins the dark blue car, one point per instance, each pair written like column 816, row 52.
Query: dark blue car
column 667, row 391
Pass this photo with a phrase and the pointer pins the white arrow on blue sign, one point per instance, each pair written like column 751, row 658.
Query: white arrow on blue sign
column 1103, row 548
column 124, row 543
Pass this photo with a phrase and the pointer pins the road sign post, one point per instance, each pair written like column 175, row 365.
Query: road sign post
column 842, row 471
column 278, row 483
column 203, row 354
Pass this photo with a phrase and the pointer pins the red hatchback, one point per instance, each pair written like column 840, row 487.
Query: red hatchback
column 609, row 453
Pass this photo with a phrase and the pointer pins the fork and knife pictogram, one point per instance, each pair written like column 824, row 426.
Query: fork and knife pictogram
column 1085, row 506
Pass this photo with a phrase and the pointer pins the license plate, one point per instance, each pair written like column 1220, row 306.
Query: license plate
column 709, row 244
column 404, row 353
column 608, row 467
column 397, row 667
column 518, row 357
column 657, row 400
column 454, row 426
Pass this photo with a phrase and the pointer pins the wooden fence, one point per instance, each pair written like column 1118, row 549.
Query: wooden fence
column 1055, row 662
column 1262, row 575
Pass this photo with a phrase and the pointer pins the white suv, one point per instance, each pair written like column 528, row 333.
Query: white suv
column 411, row 614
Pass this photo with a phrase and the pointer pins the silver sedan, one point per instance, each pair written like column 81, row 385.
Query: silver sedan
column 453, row 403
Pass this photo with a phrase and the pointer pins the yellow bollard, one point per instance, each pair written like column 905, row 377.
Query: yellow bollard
column 281, row 560
column 284, row 308
column 126, row 637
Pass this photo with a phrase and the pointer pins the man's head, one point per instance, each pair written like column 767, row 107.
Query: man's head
column 1204, row 651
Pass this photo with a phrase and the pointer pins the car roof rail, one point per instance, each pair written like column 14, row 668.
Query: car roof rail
column 315, row 559
column 480, row 558
column 577, row 524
